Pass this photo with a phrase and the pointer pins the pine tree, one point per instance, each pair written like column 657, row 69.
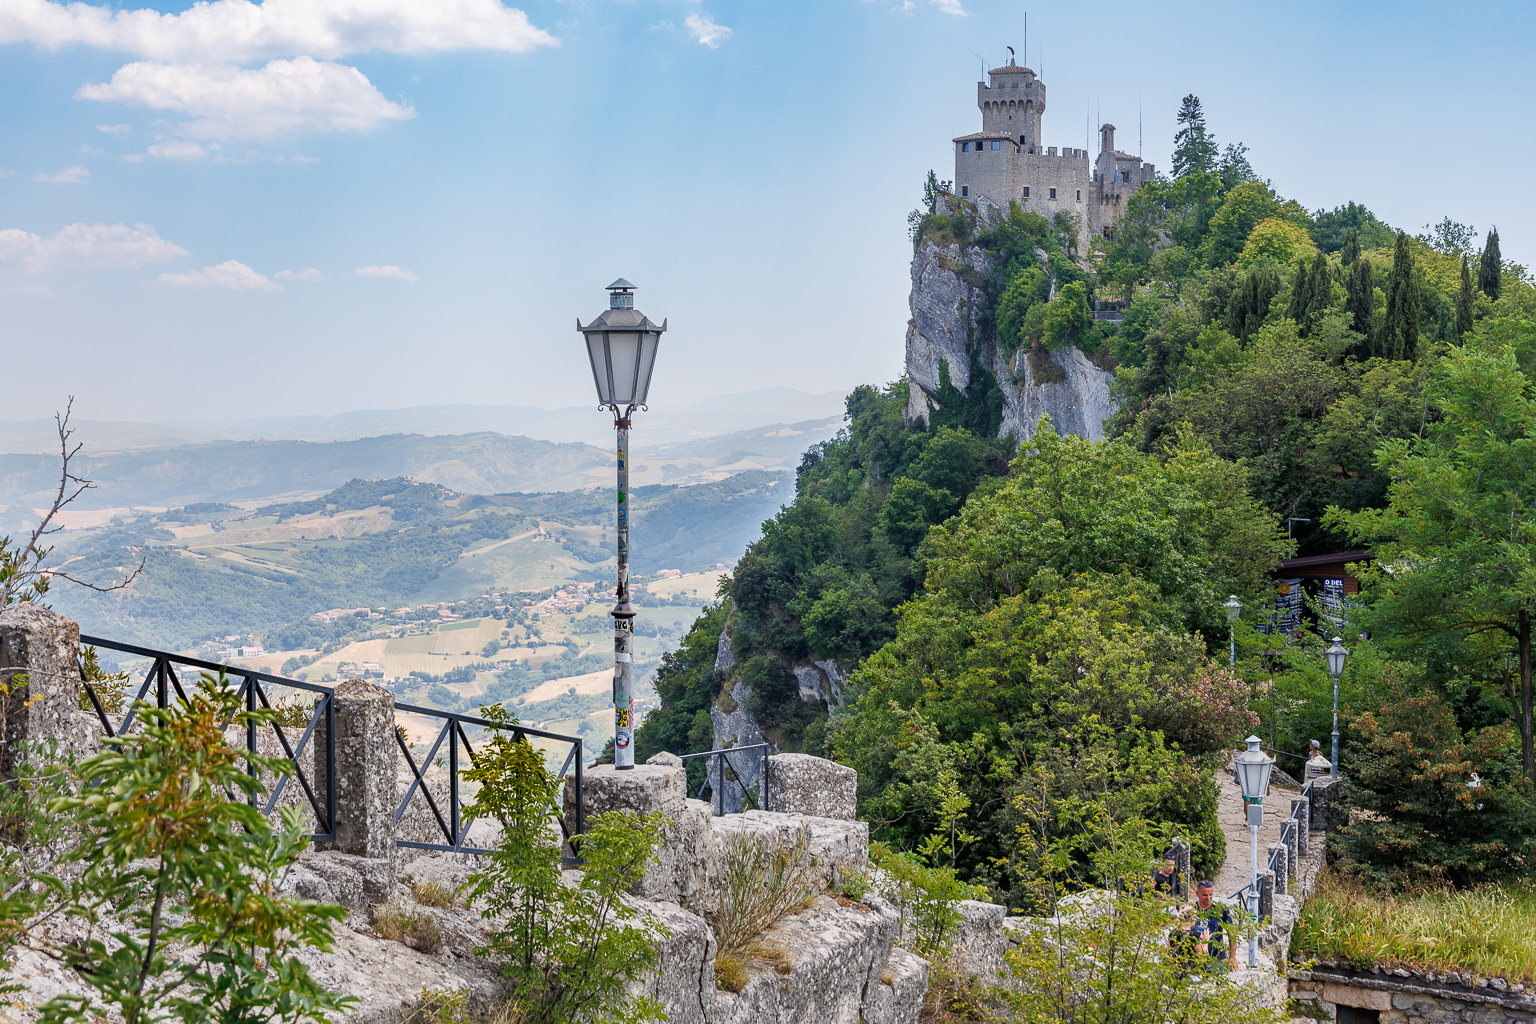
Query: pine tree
column 1401, row 337
column 1194, row 149
column 1464, row 302
column 1360, row 303
column 1351, row 250
column 1301, row 294
column 1492, row 265
column 1321, row 282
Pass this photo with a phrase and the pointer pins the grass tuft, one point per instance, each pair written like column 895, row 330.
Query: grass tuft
column 410, row 927
column 1489, row 931
column 731, row 971
column 431, row 894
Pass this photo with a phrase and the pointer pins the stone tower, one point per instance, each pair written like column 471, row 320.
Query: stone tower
column 1008, row 162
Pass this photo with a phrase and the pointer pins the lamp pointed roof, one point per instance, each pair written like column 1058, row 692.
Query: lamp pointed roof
column 620, row 283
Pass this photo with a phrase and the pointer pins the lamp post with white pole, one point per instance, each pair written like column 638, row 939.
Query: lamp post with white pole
column 621, row 344
column 1234, row 608
column 1336, row 655
column 1253, row 767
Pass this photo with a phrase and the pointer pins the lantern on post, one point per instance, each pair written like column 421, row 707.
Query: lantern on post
column 1336, row 655
column 621, row 345
column 1252, row 768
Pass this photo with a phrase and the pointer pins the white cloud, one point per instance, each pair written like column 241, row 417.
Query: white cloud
column 177, row 149
column 299, row 95
column 704, row 29
column 231, row 274
column 950, row 7
column 310, row 274
column 243, row 31
column 388, row 270
column 115, row 129
column 6, row 172
column 88, row 245
column 68, row 176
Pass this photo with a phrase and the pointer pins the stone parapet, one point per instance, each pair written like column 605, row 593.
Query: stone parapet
column 39, row 679
column 1406, row 996
column 802, row 784
column 367, row 756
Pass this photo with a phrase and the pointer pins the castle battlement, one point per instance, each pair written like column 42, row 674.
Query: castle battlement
column 1006, row 161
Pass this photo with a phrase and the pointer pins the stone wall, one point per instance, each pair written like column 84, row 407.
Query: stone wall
column 1414, row 997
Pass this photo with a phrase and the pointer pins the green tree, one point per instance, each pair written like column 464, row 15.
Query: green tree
column 1360, row 300
column 1331, row 228
column 1456, row 533
column 1029, row 288
column 567, row 949
column 1490, row 267
column 179, row 879
column 1301, row 294
column 1412, row 775
column 1248, row 305
column 1400, row 334
column 1067, row 318
column 1464, row 301
column 1244, row 208
column 1276, row 241
column 1351, row 250
column 1194, row 149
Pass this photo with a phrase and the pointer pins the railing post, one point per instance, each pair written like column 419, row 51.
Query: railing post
column 1266, row 895
column 1279, row 854
column 453, row 780
column 39, row 678
column 1301, row 813
column 251, row 704
column 357, row 756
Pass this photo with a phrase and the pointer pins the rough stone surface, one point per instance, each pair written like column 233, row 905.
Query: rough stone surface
column 802, row 784
column 665, row 758
column 39, row 678
column 1077, row 405
column 1281, row 853
column 1303, row 830
column 834, row 847
column 944, row 319
column 367, row 757
column 1412, row 996
column 725, row 657
column 684, row 978
column 980, row 941
column 897, row 996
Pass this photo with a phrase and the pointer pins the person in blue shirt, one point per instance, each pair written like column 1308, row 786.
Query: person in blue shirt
column 1209, row 917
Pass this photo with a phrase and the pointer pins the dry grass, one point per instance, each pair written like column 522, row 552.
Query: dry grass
column 773, row 956
column 431, row 894
column 731, row 971
column 766, row 879
column 410, row 927
column 1489, row 931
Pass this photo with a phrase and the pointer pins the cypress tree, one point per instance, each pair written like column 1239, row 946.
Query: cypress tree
column 1491, row 266
column 1322, row 287
column 1301, row 294
column 1401, row 339
column 1351, row 250
column 1464, row 302
column 1361, row 300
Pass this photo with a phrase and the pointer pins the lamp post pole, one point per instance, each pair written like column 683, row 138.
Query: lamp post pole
column 621, row 345
column 623, row 616
column 1234, row 608
column 1336, row 656
column 1252, row 768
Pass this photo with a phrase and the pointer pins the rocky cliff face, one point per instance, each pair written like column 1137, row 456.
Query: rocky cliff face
column 944, row 338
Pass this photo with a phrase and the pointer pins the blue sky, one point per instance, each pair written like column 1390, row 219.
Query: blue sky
column 310, row 206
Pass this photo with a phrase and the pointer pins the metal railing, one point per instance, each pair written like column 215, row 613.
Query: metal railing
column 1292, row 823
column 717, row 763
column 252, row 689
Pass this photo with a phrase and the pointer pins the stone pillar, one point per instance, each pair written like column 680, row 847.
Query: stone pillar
column 1281, row 853
column 802, row 784
column 1326, row 793
column 1266, row 895
column 1292, row 848
column 39, row 678
column 676, row 875
column 366, row 759
column 1181, row 868
column 1303, row 826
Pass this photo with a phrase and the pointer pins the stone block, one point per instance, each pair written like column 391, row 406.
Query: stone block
column 1266, row 894
column 1360, row 998
column 39, row 678
column 683, row 980
column 897, row 997
column 367, row 755
column 679, row 872
column 833, row 848
column 1402, row 1000
column 979, row 942
column 1303, row 826
column 665, row 759
column 356, row 883
column 802, row 784
column 1281, row 853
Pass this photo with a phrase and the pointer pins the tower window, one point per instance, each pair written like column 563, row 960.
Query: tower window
column 1053, row 193
column 996, row 144
column 965, row 147
column 1079, row 195
column 1026, row 191
column 965, row 190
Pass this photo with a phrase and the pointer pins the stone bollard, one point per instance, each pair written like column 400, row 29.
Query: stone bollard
column 802, row 784
column 39, row 678
column 1303, row 830
column 1266, row 895
column 1325, row 793
column 1281, row 853
column 1180, row 868
column 677, row 874
column 366, row 758
column 1292, row 848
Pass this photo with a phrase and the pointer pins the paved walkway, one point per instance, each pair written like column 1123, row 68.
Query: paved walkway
column 1234, row 825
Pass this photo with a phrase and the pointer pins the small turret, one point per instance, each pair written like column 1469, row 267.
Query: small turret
column 1012, row 103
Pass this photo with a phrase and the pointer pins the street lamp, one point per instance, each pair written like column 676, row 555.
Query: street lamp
column 622, row 345
column 1336, row 655
column 1252, row 767
column 1234, row 608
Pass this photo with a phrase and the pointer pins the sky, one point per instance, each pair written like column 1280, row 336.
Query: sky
column 237, row 209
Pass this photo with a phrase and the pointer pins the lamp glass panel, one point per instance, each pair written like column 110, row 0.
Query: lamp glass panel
column 624, row 358
column 1336, row 655
column 649, row 342
column 599, row 367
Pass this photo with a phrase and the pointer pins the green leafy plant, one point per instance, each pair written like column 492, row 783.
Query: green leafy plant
column 567, row 948
column 166, row 860
column 927, row 897
column 30, row 838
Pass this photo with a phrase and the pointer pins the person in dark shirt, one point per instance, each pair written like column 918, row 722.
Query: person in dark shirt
column 1209, row 918
column 1165, row 878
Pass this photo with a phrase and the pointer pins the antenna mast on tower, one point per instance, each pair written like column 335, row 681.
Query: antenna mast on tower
column 1026, row 37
